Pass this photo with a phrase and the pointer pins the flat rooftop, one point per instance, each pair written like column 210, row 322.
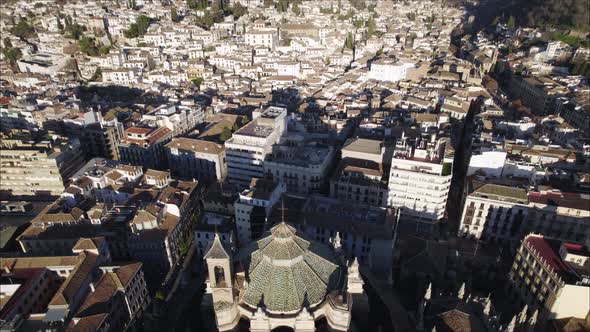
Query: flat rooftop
column 362, row 145
column 255, row 129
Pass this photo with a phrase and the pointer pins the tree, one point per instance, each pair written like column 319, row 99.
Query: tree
column 282, row 5
column 7, row 42
column 349, row 42
column 511, row 22
column 23, row 29
column 60, row 25
column 198, row 81
column 358, row 4
column 174, row 14
column 75, row 30
column 139, row 28
column 225, row 134
column 97, row 75
column 371, row 27
column 295, row 9
column 238, row 10
column 88, row 46
column 358, row 23
column 12, row 54
column 104, row 50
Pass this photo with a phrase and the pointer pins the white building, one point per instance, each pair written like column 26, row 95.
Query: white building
column 262, row 37
column 490, row 163
column 249, row 145
column 302, row 166
column 390, row 70
column 419, row 181
column 196, row 159
column 253, row 207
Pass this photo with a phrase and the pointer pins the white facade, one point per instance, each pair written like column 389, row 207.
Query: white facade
column 419, row 183
column 246, row 203
column 489, row 162
column 267, row 38
column 248, row 147
column 391, row 71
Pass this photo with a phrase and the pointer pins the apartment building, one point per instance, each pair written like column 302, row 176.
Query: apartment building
column 248, row 147
column 145, row 146
column 538, row 93
column 390, row 70
column 99, row 137
column 504, row 213
column 494, row 211
column 35, row 164
column 551, row 276
column 302, row 166
column 265, row 37
column 196, row 159
column 253, row 207
column 214, row 223
column 419, row 181
column 120, row 294
column 361, row 175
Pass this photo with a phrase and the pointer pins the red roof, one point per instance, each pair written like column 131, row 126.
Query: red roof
column 4, row 100
column 558, row 198
column 548, row 249
column 138, row 130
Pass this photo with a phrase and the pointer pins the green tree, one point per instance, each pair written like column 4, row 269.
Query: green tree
column 174, row 14
column 88, row 46
column 75, row 30
column 371, row 27
column 60, row 25
column 139, row 28
column 295, row 9
column 282, row 5
column 7, row 42
column 238, row 10
column 358, row 4
column 511, row 22
column 12, row 54
column 23, row 29
column 358, row 23
column 349, row 42
column 225, row 134
column 198, row 81
column 97, row 75
column 104, row 50
column 143, row 22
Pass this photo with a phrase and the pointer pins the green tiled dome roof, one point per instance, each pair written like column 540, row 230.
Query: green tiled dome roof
column 288, row 272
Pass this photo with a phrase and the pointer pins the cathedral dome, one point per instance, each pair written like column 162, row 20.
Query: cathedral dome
column 287, row 272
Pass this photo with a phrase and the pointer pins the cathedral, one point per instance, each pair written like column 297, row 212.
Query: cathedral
column 283, row 280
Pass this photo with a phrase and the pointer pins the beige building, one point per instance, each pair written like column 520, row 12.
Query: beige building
column 196, row 159
column 37, row 165
column 503, row 213
column 361, row 177
column 419, row 181
column 551, row 276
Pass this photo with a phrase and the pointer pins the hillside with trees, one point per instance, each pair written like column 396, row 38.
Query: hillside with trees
column 563, row 14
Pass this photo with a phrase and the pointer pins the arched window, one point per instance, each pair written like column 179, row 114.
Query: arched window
column 219, row 277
